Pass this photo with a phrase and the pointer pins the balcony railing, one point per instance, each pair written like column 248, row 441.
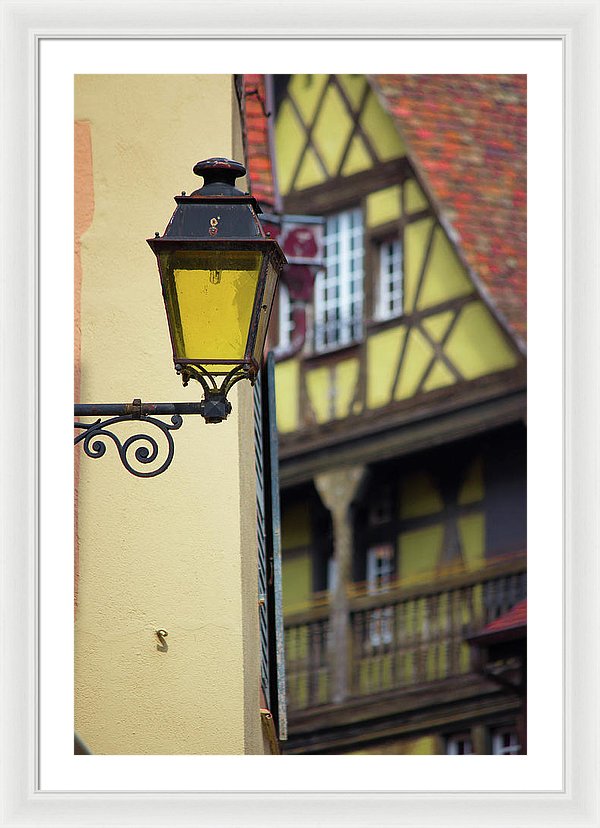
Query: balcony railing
column 404, row 637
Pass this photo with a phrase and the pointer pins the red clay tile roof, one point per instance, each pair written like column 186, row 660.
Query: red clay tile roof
column 516, row 618
column 467, row 137
column 258, row 156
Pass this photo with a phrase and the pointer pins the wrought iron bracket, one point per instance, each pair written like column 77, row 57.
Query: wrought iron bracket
column 216, row 405
column 95, row 436
column 143, row 447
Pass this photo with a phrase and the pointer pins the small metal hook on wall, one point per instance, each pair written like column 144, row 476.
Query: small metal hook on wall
column 163, row 646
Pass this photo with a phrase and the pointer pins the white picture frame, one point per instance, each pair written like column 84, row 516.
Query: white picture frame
column 23, row 25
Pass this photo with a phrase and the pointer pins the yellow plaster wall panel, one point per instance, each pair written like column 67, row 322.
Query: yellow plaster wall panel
column 422, row 746
column 419, row 495
column 445, row 277
column 296, row 581
column 414, row 197
column 346, row 377
column 437, row 325
column 416, row 238
column 439, row 377
column 472, row 537
column 332, row 130
column 318, row 386
column 381, row 130
column 383, row 206
column 383, row 352
column 471, row 490
column 477, row 346
column 354, row 87
column 306, row 90
column 425, row 746
column 295, row 526
column 310, row 173
column 419, row 552
column 157, row 553
column 358, row 158
column 416, row 359
column 287, row 393
column 289, row 143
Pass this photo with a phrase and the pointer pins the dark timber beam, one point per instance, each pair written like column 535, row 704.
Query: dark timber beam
column 325, row 452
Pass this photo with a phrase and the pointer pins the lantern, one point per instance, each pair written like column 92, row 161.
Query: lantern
column 219, row 273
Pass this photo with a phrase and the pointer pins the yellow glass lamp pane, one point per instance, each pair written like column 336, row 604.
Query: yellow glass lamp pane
column 265, row 312
column 215, row 304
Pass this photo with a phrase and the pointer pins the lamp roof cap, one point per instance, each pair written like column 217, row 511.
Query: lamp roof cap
column 219, row 176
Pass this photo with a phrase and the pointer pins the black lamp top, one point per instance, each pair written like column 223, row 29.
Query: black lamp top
column 219, row 176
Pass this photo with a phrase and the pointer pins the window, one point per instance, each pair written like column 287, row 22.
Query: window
column 286, row 322
column 460, row 745
column 390, row 293
column 339, row 287
column 505, row 741
column 380, row 568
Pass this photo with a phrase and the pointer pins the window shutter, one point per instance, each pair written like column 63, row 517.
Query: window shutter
column 269, row 547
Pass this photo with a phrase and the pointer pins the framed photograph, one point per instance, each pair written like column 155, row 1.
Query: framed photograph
column 43, row 783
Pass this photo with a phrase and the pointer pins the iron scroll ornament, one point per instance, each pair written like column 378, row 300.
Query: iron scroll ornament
column 143, row 446
column 95, row 436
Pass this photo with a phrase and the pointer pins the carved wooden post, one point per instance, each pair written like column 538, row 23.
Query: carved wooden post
column 337, row 490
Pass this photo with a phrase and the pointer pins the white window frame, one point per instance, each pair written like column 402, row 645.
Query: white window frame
column 339, row 291
column 453, row 743
column 286, row 322
column 380, row 572
column 498, row 746
column 390, row 280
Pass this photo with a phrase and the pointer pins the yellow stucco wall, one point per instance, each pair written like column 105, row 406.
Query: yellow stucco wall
column 178, row 551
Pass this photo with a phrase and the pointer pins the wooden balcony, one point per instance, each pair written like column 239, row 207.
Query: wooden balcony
column 408, row 636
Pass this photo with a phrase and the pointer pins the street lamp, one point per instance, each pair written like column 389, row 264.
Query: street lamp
column 219, row 273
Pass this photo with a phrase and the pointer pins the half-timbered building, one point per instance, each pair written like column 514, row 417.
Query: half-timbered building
column 399, row 341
